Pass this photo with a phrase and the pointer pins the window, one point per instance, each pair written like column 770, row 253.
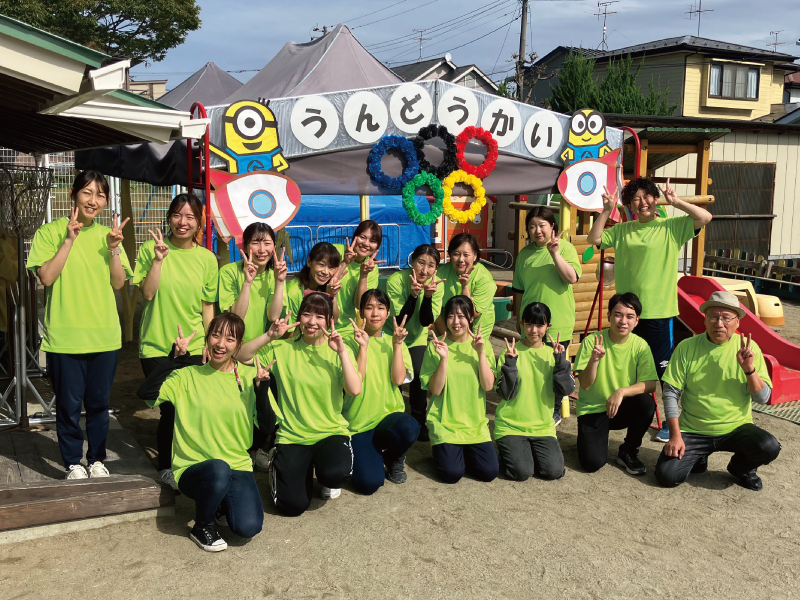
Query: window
column 734, row 81
column 469, row 81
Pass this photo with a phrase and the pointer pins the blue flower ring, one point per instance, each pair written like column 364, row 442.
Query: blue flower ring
column 376, row 154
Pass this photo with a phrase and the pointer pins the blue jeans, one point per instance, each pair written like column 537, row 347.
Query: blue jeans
column 82, row 380
column 213, row 484
column 387, row 442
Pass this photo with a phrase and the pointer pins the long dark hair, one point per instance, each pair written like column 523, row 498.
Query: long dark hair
column 84, row 179
column 536, row 313
column 195, row 205
column 462, row 304
column 316, row 303
column 374, row 229
column 322, row 251
column 258, row 230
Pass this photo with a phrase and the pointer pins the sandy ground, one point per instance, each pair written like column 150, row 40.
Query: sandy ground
column 606, row 535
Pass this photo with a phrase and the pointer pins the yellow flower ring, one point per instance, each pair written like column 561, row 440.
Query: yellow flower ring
column 463, row 216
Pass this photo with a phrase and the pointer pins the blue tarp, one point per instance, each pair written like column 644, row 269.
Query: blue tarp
column 334, row 218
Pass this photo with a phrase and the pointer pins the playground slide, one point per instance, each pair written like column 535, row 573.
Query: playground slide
column 782, row 357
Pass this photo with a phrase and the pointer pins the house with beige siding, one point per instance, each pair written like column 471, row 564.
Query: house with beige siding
column 444, row 68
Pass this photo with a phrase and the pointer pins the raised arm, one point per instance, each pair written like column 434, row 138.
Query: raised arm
column 565, row 270
column 49, row 271
column 352, row 378
column 439, row 378
column 699, row 214
column 595, row 235
column 113, row 240
column 280, row 269
column 485, row 371
column 276, row 332
column 587, row 376
column 149, row 285
column 398, row 364
column 242, row 301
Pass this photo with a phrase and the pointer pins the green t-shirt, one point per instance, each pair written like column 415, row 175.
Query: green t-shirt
column 715, row 398
column 646, row 261
column 623, row 365
column 293, row 293
column 310, row 390
column 346, row 296
column 188, row 278
column 213, row 419
column 379, row 396
column 458, row 416
column 530, row 413
column 231, row 280
column 80, row 315
column 536, row 275
column 482, row 289
column 398, row 288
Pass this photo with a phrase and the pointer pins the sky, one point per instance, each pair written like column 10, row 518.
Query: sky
column 244, row 35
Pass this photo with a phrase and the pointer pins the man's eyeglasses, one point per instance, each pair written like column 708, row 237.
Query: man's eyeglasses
column 724, row 320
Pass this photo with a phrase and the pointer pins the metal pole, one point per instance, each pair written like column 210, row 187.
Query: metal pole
column 522, row 49
column 21, row 357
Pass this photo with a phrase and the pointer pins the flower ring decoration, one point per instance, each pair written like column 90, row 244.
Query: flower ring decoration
column 449, row 163
column 463, row 216
column 376, row 154
column 410, row 189
column 488, row 140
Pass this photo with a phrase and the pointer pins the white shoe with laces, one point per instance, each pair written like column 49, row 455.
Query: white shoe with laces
column 330, row 493
column 168, row 477
column 77, row 472
column 97, row 469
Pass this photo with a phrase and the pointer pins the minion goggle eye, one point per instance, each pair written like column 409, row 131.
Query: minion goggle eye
column 248, row 123
column 578, row 123
column 596, row 123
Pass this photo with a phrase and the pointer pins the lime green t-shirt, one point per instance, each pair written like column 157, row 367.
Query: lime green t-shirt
column 346, row 296
column 231, row 280
column 213, row 419
column 188, row 278
column 310, row 390
column 530, row 413
column 379, row 396
column 623, row 365
column 458, row 415
column 398, row 288
column 646, row 261
column 715, row 398
column 482, row 288
column 537, row 276
column 80, row 314
column 293, row 293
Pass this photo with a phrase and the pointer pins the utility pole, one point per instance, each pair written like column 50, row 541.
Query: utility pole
column 698, row 10
column 776, row 43
column 603, row 6
column 421, row 39
column 523, row 49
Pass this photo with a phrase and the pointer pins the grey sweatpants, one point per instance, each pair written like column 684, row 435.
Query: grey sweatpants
column 522, row 457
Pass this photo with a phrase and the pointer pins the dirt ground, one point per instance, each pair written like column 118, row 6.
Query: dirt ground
column 605, row 535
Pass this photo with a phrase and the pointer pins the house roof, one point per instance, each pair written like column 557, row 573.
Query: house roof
column 778, row 112
column 414, row 71
column 792, row 80
column 210, row 85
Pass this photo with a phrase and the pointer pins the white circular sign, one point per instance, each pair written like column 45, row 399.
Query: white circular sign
column 365, row 117
column 314, row 122
column 501, row 119
column 411, row 108
column 458, row 109
column 543, row 134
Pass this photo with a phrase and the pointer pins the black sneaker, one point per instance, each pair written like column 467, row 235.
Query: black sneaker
column 396, row 470
column 749, row 480
column 631, row 463
column 701, row 466
column 423, row 436
column 207, row 538
column 557, row 417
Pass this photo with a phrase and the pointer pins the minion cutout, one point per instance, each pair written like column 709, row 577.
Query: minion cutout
column 251, row 139
column 587, row 137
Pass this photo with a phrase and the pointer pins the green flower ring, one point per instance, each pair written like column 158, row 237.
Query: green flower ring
column 410, row 189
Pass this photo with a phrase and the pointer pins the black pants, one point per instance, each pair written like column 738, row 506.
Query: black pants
column 417, row 397
column 294, row 466
column 82, row 380
column 166, row 422
column 453, row 460
column 751, row 447
column 213, row 484
column 634, row 414
column 387, row 442
column 522, row 457
column 659, row 336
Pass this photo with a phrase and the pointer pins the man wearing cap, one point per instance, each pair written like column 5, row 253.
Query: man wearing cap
column 715, row 376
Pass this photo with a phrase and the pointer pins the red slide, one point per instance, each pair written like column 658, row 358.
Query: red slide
column 783, row 357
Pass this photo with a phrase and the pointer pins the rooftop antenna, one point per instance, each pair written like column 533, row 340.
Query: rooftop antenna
column 324, row 31
column 697, row 9
column 776, row 43
column 603, row 6
column 420, row 39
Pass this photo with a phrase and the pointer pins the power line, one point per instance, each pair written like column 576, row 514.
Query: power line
column 397, row 15
column 503, row 47
column 476, row 39
column 374, row 12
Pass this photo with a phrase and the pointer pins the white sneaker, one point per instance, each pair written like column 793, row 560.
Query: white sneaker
column 330, row 493
column 168, row 477
column 97, row 469
column 261, row 461
column 77, row 472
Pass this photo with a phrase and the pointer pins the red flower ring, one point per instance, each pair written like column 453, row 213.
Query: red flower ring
column 481, row 171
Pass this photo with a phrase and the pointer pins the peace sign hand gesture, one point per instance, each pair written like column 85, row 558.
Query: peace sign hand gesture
column 349, row 253
column 440, row 346
column 552, row 245
column 598, row 351
column 416, row 285
column 430, row 287
column 74, row 226
column 182, row 343
column 477, row 340
column 669, row 194
column 279, row 266
column 114, row 237
column 558, row 347
column 279, row 328
column 361, row 336
column 463, row 279
column 511, row 349
column 249, row 268
column 368, row 265
column 609, row 202
column 400, row 331
column 262, row 373
column 335, row 283
column 335, row 340
column 160, row 250
column 745, row 355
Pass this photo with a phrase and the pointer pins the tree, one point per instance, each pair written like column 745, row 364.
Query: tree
column 618, row 92
column 142, row 30
column 526, row 76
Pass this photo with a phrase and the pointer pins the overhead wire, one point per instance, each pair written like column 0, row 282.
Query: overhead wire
column 375, row 11
column 396, row 15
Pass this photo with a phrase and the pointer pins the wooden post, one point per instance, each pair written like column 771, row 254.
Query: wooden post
column 569, row 218
column 643, row 158
column 364, row 208
column 129, row 293
column 520, row 239
column 701, row 187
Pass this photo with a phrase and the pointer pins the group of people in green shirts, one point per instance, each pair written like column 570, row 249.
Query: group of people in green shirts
column 302, row 377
